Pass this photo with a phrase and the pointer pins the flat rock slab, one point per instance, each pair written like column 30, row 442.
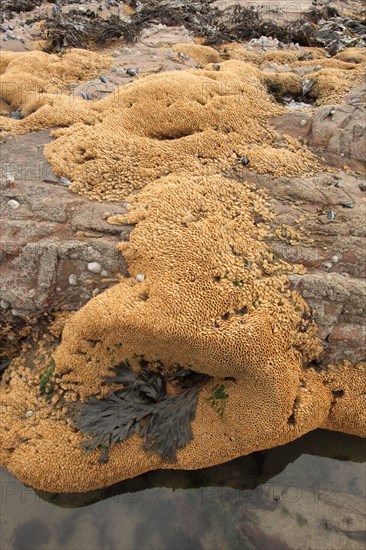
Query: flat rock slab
column 51, row 235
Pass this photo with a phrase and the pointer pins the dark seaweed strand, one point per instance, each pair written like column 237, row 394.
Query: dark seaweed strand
column 142, row 406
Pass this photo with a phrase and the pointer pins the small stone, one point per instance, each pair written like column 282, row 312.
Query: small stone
column 94, row 267
column 13, row 204
column 65, row 181
column 216, row 66
column 244, row 161
column 29, row 413
column 140, row 277
column 127, row 50
column 15, row 312
column 116, row 53
column 58, row 289
column 4, row 304
column 362, row 186
column 303, row 122
column 44, row 286
column 114, row 69
column 95, row 292
column 327, row 265
column 32, row 293
column 104, row 273
column 181, row 55
column 16, row 115
column 331, row 214
column 103, row 79
column 131, row 72
column 9, row 177
column 335, row 259
column 338, row 184
column 73, row 280
column 347, row 204
column 355, row 100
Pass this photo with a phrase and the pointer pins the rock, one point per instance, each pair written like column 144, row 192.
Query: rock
column 65, row 181
column 362, row 186
column 343, row 133
column 116, row 53
column 131, row 72
column 9, row 178
column 73, row 280
column 94, row 267
column 95, row 292
column 104, row 273
column 140, row 277
column 4, row 304
column 13, row 204
column 29, row 414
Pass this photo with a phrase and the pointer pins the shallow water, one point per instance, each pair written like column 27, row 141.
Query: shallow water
column 309, row 494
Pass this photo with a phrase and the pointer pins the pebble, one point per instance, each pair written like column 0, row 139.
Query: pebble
column 4, row 28
column 216, row 66
column 13, row 204
column 29, row 413
column 347, row 204
column 94, row 267
column 16, row 115
column 73, row 280
column 104, row 273
column 116, row 53
column 338, row 184
column 181, row 55
column 331, row 214
column 32, row 293
column 95, row 292
column 327, row 265
column 65, row 181
column 15, row 312
column 120, row 71
column 4, row 304
column 355, row 100
column 362, row 186
column 335, row 259
column 127, row 50
column 132, row 72
column 244, row 161
column 303, row 122
column 9, row 177
column 140, row 277
column 103, row 79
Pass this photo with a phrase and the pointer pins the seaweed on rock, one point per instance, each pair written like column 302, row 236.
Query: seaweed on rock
column 142, row 406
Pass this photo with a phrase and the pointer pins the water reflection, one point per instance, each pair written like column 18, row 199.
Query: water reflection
column 307, row 494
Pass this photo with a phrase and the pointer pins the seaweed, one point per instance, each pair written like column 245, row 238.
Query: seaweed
column 218, row 399
column 202, row 17
column 144, row 407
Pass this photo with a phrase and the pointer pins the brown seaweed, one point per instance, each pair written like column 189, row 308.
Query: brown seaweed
column 142, row 406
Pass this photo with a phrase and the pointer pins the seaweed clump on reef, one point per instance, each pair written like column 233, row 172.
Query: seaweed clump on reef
column 144, row 407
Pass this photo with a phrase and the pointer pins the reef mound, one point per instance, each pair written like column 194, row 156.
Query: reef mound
column 206, row 292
